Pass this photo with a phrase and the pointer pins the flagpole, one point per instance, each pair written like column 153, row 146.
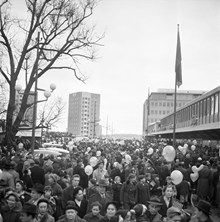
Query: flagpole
column 178, row 81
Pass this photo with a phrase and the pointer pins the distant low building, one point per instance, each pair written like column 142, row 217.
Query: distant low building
column 161, row 103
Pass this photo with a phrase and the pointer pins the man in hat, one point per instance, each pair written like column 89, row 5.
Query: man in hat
column 28, row 213
column 154, row 205
column 36, row 193
column 102, row 196
column 43, row 215
column 203, row 211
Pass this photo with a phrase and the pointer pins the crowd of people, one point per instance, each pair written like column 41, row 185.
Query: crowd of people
column 111, row 181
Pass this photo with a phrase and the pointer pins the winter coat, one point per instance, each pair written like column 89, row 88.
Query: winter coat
column 10, row 215
column 142, row 193
column 128, row 193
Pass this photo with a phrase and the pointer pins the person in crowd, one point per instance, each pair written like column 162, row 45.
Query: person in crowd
column 94, row 215
column 68, row 192
column 202, row 212
column 204, row 182
column 6, row 177
column 47, row 171
column 37, row 173
column 52, row 202
column 71, row 214
column 102, row 196
column 128, row 192
column 174, row 214
column 116, row 188
column 79, row 169
column 11, row 211
column 26, row 178
column 118, row 171
column 13, row 172
column 80, row 202
column 23, row 195
column 166, row 199
column 43, row 214
column 28, row 213
column 36, row 193
column 91, row 188
column 142, row 191
column 100, row 172
column 56, row 188
column 140, row 212
column 61, row 180
column 154, row 205
column 124, row 215
column 110, row 209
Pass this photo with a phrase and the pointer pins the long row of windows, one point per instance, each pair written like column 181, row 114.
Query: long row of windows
column 202, row 112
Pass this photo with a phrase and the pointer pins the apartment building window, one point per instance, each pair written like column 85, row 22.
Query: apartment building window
column 168, row 104
column 156, row 104
column 164, row 112
column 160, row 112
column 152, row 103
column 155, row 111
column 160, row 104
column 164, row 104
column 152, row 112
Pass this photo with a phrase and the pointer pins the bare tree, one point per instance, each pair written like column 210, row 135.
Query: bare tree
column 64, row 35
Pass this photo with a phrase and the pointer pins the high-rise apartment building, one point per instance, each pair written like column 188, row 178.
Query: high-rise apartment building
column 161, row 103
column 84, row 114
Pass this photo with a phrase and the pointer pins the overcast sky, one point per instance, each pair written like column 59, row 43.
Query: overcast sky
column 139, row 53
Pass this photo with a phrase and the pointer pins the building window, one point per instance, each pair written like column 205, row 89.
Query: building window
column 156, row 104
column 155, row 111
column 164, row 104
column 152, row 103
column 152, row 112
column 164, row 112
column 160, row 104
column 168, row 104
column 160, row 112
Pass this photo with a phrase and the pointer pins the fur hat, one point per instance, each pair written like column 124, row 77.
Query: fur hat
column 29, row 208
column 139, row 209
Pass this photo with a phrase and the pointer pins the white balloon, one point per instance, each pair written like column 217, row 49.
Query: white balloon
column 98, row 153
column 193, row 147
column 169, row 153
column 176, row 177
column 93, row 161
column 194, row 177
column 88, row 170
column 0, row 174
column 150, row 151
column 20, row 145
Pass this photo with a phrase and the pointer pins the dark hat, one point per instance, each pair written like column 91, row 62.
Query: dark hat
column 12, row 194
column 140, row 177
column 71, row 207
column 43, row 200
column 39, row 188
column 173, row 211
column 92, row 181
column 139, row 209
column 155, row 201
column 204, row 206
column 29, row 208
column 102, row 183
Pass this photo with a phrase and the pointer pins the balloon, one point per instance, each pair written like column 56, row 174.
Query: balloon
column 98, row 153
column 185, row 146
column 20, row 145
column 128, row 158
column 169, row 153
column 193, row 147
column 88, row 170
column 194, row 177
column 88, row 149
column 93, row 161
column 194, row 169
column 150, row 151
column 0, row 174
column 176, row 177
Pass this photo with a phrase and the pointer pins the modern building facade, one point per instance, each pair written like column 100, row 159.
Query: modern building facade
column 161, row 103
column 84, row 114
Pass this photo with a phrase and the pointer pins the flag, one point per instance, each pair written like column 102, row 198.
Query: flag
column 178, row 66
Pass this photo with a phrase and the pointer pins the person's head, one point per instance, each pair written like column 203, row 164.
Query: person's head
column 111, row 209
column 28, row 212
column 174, row 214
column 101, row 165
column 203, row 209
column 102, row 186
column 52, row 178
column 139, row 209
column 169, row 180
column 131, row 178
column 96, row 208
column 124, row 215
column 19, row 186
column 142, row 178
column 92, row 183
column 12, row 199
column 154, row 205
column 43, row 205
column 71, row 212
column 47, row 191
column 168, row 191
column 36, row 191
column 78, row 193
column 117, row 179
column 75, row 180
